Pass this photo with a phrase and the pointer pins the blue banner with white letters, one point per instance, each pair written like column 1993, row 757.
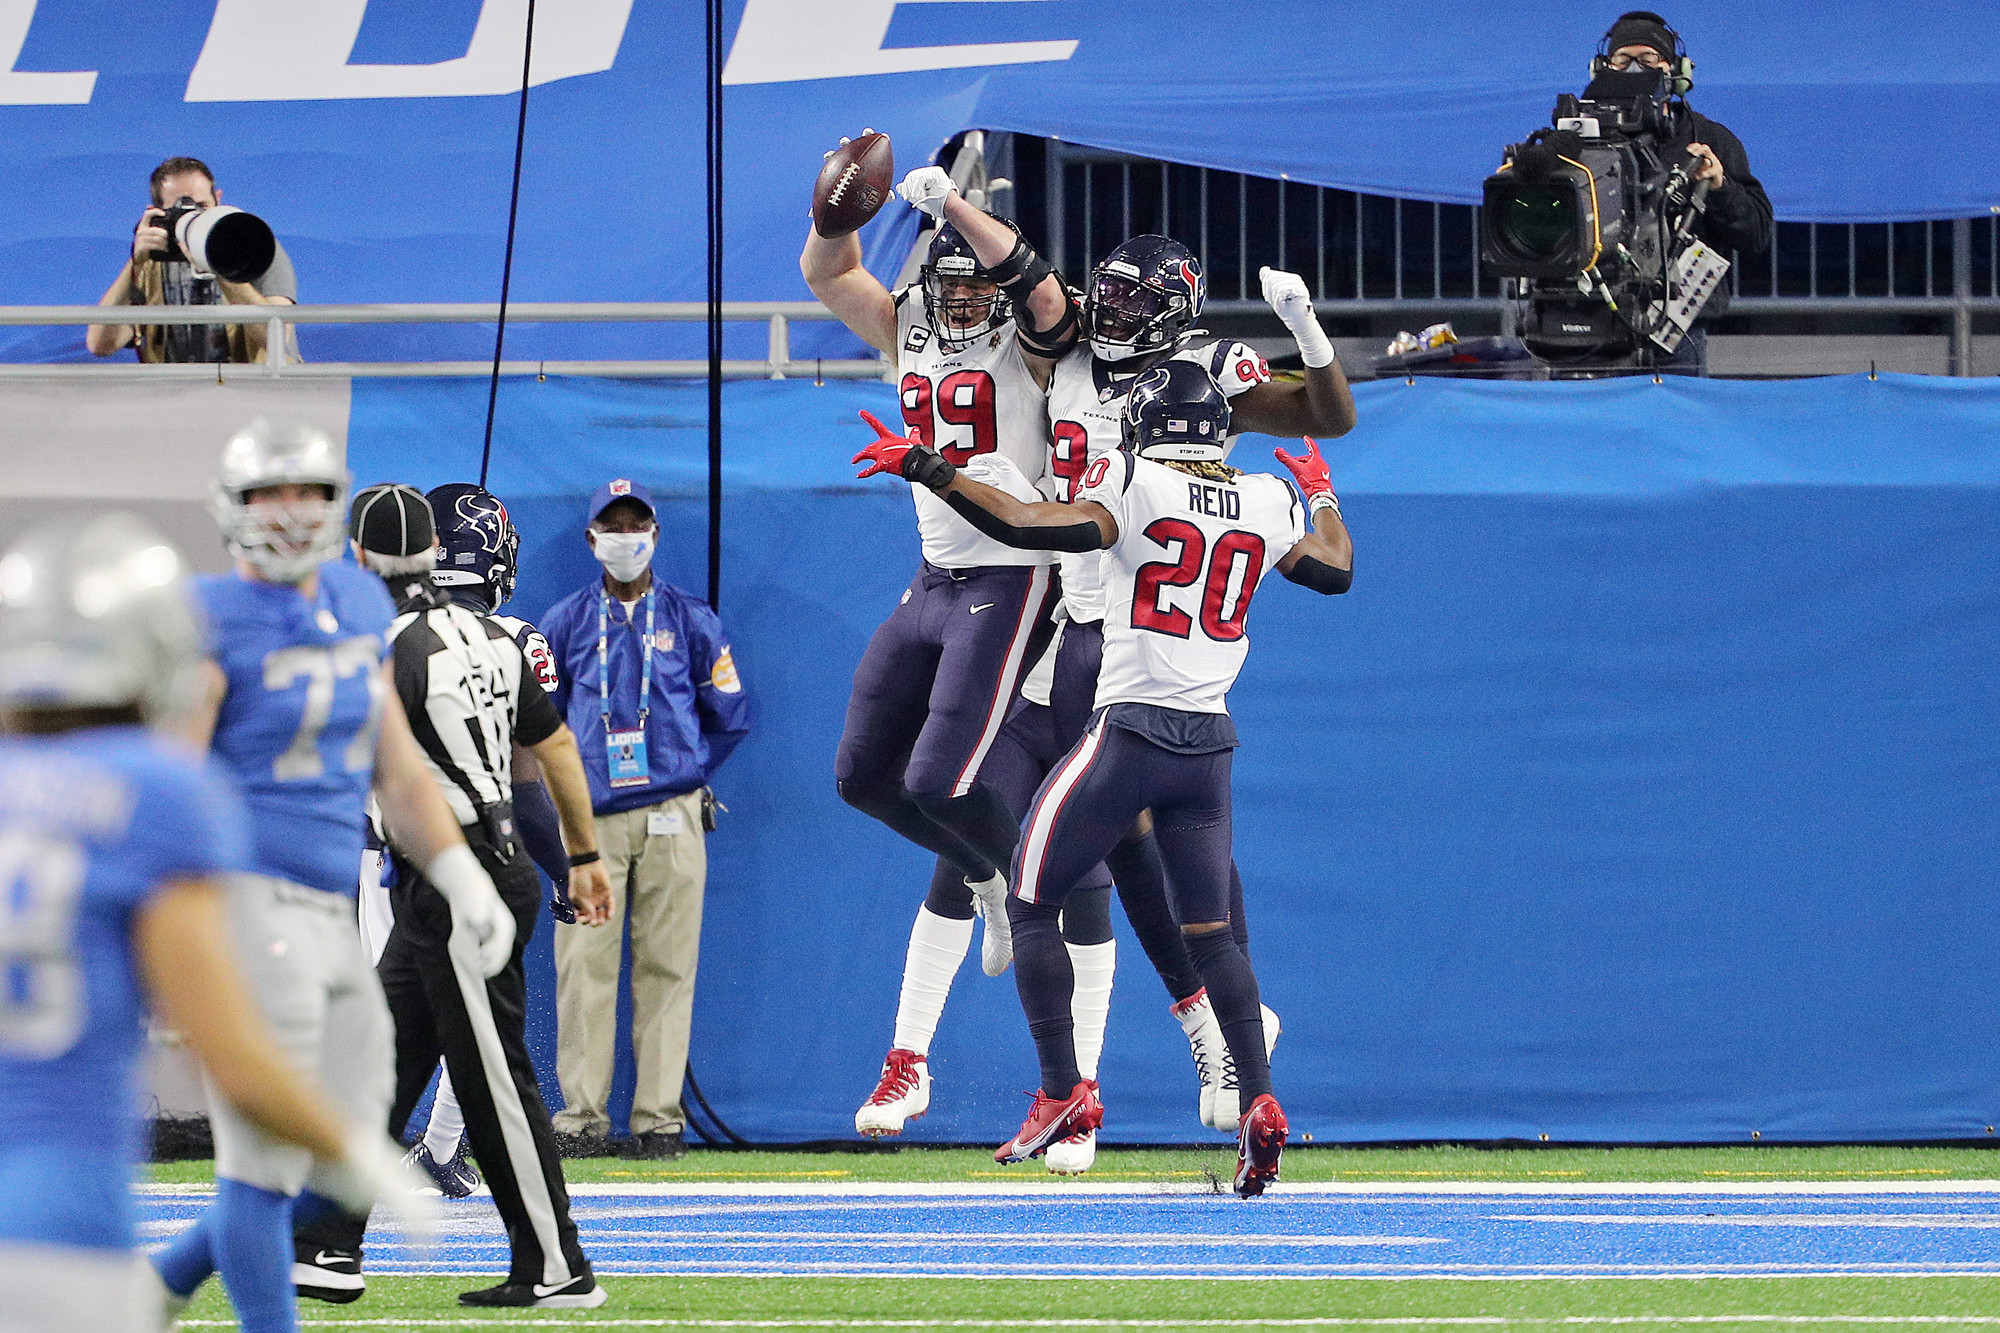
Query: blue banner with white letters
column 377, row 135
column 1643, row 788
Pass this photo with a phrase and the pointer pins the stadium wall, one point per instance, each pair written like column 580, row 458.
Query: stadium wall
column 1643, row 788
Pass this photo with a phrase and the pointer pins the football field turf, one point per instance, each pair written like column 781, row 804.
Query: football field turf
column 1444, row 1237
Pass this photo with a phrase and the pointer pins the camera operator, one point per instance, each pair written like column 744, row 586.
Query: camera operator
column 1739, row 212
column 149, row 278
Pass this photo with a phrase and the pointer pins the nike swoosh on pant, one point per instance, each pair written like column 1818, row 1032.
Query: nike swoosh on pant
column 983, row 606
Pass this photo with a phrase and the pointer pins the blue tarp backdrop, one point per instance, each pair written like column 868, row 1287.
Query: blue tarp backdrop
column 1642, row 789
column 377, row 135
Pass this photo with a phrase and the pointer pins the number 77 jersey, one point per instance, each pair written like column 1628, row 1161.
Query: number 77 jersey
column 1179, row 581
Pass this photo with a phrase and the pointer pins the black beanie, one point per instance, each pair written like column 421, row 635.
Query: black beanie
column 1640, row 28
column 392, row 519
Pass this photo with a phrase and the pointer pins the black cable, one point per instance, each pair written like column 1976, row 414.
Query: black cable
column 715, row 303
column 507, row 265
column 723, row 1126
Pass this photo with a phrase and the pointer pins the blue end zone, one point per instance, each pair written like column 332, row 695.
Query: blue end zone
column 1296, row 1234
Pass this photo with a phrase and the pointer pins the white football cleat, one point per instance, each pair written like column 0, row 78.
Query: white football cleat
column 1197, row 1019
column 1073, row 1155
column 903, row 1094
column 996, row 944
column 1227, row 1114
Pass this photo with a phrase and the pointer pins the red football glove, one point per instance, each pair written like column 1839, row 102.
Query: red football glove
column 1309, row 471
column 888, row 451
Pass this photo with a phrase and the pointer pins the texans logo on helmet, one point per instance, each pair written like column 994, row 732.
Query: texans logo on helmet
column 1191, row 275
column 485, row 515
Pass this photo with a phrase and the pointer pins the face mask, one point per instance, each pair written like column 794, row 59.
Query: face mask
column 624, row 555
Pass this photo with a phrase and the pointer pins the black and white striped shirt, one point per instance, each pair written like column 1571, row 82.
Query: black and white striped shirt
column 470, row 693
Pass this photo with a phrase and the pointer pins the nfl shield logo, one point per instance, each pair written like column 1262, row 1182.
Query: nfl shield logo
column 621, row 487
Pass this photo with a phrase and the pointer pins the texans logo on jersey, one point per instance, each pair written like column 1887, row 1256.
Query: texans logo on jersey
column 485, row 515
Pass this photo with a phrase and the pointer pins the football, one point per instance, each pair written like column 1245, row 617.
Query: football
column 853, row 184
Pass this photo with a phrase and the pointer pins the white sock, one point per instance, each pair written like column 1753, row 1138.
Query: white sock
column 938, row 945
column 1090, row 1000
column 447, row 1124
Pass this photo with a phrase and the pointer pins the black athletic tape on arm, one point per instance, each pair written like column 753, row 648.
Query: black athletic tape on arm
column 928, row 467
column 1052, row 343
column 1320, row 576
column 1083, row 535
column 1021, row 271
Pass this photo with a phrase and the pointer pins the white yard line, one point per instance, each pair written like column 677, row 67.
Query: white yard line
column 1056, row 1189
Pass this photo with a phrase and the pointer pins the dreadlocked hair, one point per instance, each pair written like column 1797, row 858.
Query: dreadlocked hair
column 1204, row 468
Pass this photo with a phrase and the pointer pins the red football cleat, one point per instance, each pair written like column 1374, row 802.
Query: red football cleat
column 1051, row 1120
column 1260, row 1142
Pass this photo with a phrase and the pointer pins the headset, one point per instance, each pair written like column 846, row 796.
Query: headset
column 1679, row 66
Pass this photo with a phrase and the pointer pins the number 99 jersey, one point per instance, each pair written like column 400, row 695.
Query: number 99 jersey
column 968, row 403
column 1085, row 406
column 297, row 726
column 1178, row 583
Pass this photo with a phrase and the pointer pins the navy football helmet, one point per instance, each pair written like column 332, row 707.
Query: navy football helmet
column 959, row 317
column 477, row 540
column 1177, row 412
column 1143, row 298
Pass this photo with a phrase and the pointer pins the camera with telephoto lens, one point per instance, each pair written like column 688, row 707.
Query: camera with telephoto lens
column 1593, row 218
column 218, row 242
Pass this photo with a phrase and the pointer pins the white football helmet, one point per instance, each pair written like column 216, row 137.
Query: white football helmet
column 97, row 616
column 285, row 541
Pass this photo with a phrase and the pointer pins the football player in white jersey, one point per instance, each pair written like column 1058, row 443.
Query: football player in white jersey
column 1187, row 540
column 1143, row 301
column 974, row 342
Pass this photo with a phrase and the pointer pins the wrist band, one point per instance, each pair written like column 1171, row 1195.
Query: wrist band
column 584, row 859
column 1324, row 500
column 1315, row 348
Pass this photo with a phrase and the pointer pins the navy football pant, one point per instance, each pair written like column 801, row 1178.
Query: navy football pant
column 1082, row 810
column 930, row 696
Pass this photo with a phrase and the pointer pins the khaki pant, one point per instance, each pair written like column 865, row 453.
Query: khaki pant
column 661, row 875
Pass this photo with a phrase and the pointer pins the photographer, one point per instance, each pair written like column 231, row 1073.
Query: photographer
column 149, row 278
column 1739, row 212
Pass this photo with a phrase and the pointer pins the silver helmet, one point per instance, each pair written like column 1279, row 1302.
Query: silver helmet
column 283, row 541
column 97, row 617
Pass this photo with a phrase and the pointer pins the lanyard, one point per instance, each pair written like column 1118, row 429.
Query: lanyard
column 604, row 660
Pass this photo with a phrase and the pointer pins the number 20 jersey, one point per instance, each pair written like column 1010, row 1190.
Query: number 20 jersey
column 1178, row 584
column 297, row 726
column 1086, row 406
column 967, row 404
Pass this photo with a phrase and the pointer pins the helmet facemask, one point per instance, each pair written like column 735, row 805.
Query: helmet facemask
column 1124, row 316
column 962, row 303
column 283, row 540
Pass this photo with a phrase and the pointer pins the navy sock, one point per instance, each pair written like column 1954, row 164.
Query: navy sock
column 1046, row 982
column 949, row 896
column 1232, row 989
column 189, row 1258
column 253, row 1251
column 1142, row 890
column 1086, row 915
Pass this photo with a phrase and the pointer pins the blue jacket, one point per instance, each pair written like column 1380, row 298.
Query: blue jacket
column 698, row 710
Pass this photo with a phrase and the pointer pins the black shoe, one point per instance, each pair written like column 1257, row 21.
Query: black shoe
column 655, row 1145
column 328, row 1274
column 582, row 1145
column 579, row 1293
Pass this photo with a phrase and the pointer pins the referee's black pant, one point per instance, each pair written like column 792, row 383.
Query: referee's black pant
column 479, row 1027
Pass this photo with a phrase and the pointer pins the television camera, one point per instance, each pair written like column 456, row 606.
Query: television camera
column 1594, row 220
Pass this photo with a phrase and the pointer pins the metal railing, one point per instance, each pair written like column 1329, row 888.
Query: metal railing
column 1367, row 254
column 778, row 316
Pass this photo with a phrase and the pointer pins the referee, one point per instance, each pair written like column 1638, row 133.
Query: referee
column 472, row 698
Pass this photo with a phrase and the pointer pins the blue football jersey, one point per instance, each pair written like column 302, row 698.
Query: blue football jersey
column 297, row 726
column 90, row 825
